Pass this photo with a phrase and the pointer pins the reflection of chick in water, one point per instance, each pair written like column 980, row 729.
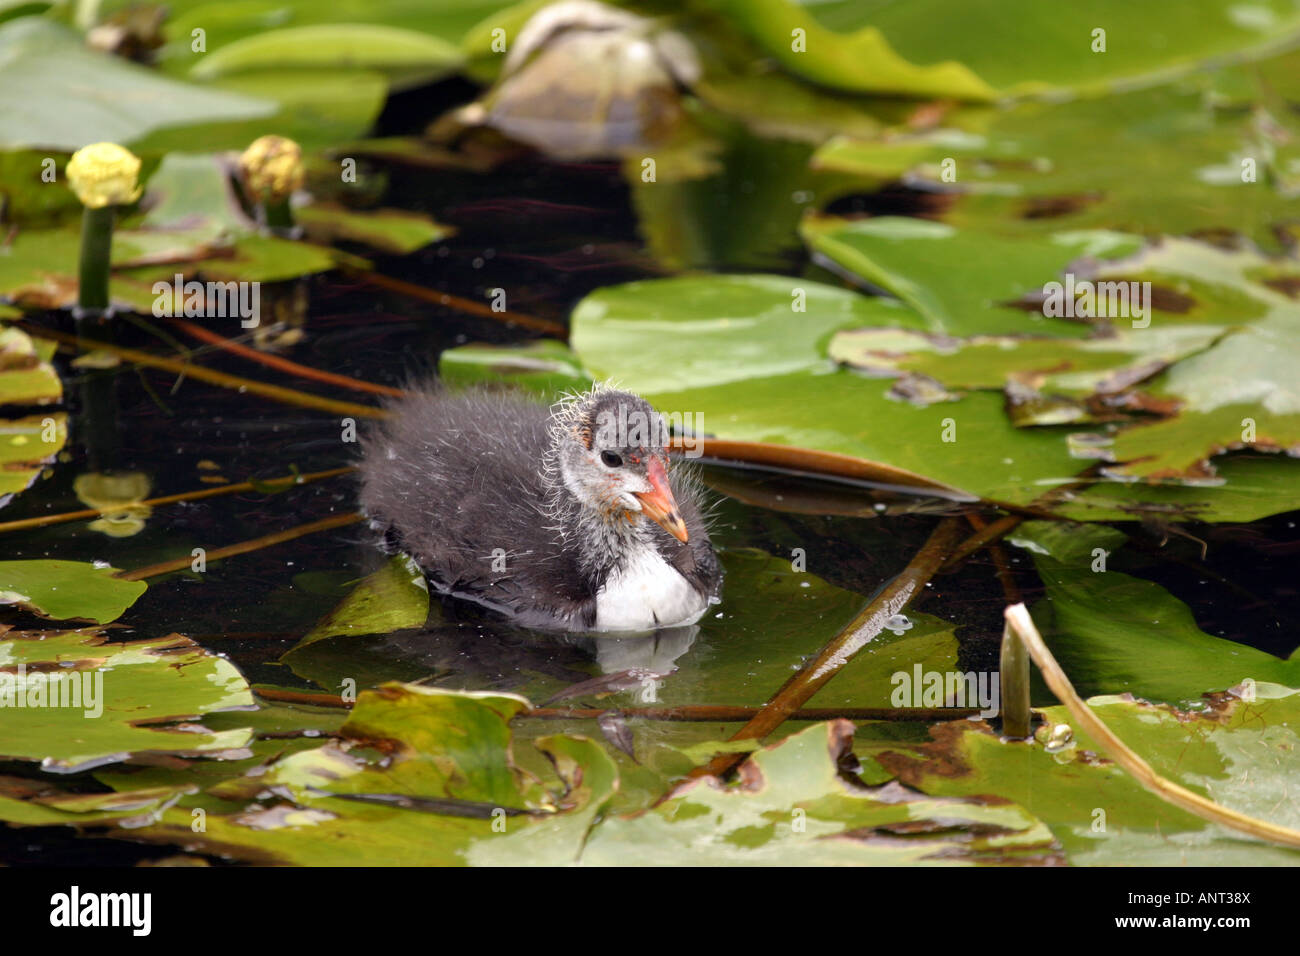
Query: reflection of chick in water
column 655, row 652
column 465, row 654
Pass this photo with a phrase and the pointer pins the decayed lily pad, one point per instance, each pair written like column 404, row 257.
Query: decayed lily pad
column 447, row 790
column 68, row 589
column 1239, row 393
column 448, row 781
column 1248, row 488
column 1239, row 753
column 133, row 698
column 1204, row 348
column 1040, row 168
column 26, row 445
column 793, row 804
column 27, row 378
column 29, row 802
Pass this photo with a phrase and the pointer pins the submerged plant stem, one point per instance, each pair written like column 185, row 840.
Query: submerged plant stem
column 981, row 538
column 704, row 713
column 1019, row 621
column 277, row 393
column 815, row 674
column 545, row 326
column 288, row 481
column 283, row 364
column 243, row 547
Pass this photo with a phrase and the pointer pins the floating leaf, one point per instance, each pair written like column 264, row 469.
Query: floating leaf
column 26, row 375
column 31, row 803
column 314, row 108
column 738, row 351
column 393, row 231
column 963, row 283
column 68, row 589
column 794, row 805
column 407, row 57
column 1238, row 753
column 862, row 61
column 112, row 701
column 1039, row 168
column 448, row 791
column 56, row 93
column 26, row 445
column 544, row 366
column 1116, row 633
column 984, row 45
column 394, row 597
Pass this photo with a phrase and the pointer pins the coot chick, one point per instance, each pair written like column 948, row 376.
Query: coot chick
column 564, row 517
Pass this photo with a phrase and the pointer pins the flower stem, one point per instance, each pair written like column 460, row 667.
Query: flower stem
column 96, row 249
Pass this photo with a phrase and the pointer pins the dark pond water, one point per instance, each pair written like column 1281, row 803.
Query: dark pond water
column 552, row 233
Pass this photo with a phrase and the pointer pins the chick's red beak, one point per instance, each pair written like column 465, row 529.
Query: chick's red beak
column 658, row 503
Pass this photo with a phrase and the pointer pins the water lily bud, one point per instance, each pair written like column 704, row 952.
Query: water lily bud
column 104, row 174
column 272, row 168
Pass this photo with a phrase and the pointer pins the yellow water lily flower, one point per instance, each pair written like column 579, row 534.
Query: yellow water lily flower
column 104, row 174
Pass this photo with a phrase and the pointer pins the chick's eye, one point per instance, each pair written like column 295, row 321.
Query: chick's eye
column 611, row 459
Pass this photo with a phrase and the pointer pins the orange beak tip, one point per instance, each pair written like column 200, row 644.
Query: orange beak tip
column 659, row 505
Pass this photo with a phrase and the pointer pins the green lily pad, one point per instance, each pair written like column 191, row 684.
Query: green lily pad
column 1238, row 753
column 227, row 23
column 40, row 272
column 394, row 597
column 963, row 283
column 1116, row 633
column 544, row 366
column 1011, row 46
column 862, row 61
column 58, row 94
column 136, row 698
column 314, row 108
column 68, row 589
column 393, row 231
column 406, row 57
column 26, row 196
column 194, row 191
column 734, row 350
